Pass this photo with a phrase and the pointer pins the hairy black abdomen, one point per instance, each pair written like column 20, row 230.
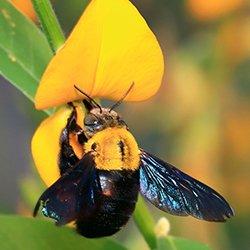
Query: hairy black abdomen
column 113, row 205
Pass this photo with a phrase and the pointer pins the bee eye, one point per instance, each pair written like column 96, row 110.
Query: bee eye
column 91, row 120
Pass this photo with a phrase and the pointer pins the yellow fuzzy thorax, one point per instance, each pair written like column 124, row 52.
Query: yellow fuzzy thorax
column 106, row 149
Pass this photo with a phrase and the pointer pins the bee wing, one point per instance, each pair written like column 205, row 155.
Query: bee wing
column 76, row 188
column 177, row 193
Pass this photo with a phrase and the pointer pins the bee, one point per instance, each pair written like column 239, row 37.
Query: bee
column 99, row 191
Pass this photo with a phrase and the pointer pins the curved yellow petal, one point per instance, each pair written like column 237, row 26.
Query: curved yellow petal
column 45, row 144
column 110, row 48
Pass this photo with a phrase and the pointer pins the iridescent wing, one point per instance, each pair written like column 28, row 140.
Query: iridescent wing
column 65, row 199
column 177, row 193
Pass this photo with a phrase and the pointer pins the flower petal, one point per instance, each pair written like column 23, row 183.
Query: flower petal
column 110, row 48
column 45, row 145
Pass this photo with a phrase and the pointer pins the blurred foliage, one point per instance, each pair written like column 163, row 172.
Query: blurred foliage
column 212, row 9
column 170, row 243
column 44, row 235
column 68, row 12
column 24, row 50
column 199, row 120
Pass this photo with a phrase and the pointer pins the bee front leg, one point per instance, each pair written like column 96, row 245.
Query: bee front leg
column 67, row 157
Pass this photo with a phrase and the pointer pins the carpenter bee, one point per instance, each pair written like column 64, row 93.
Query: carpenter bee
column 99, row 190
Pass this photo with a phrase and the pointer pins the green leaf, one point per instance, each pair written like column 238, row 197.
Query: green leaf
column 175, row 243
column 24, row 50
column 21, row 233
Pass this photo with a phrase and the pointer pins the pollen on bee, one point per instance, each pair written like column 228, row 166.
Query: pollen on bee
column 109, row 155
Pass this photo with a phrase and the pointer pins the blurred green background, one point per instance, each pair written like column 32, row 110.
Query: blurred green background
column 198, row 121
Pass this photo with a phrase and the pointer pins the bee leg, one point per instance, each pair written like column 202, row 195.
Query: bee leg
column 67, row 156
column 74, row 128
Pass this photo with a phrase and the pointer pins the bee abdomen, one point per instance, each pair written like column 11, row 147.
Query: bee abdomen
column 104, row 223
column 114, row 205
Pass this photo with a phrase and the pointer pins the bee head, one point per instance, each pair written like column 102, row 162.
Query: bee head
column 98, row 119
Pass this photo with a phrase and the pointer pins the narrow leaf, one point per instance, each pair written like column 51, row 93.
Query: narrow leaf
column 24, row 50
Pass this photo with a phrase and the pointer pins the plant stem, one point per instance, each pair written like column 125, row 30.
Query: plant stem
column 49, row 23
column 145, row 223
column 166, row 243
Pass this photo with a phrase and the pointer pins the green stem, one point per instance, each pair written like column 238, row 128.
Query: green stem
column 166, row 243
column 145, row 223
column 49, row 23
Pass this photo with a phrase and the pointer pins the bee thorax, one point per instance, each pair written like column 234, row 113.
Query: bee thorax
column 114, row 149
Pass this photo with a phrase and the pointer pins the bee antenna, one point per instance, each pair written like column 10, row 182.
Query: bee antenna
column 96, row 105
column 121, row 100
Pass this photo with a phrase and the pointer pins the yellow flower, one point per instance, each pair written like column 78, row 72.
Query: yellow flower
column 110, row 48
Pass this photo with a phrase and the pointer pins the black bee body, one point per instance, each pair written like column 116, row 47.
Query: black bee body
column 99, row 190
column 115, row 203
